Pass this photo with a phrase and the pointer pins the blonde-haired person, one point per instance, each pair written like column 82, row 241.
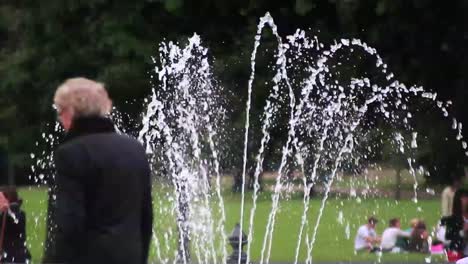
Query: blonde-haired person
column 402, row 241
column 102, row 212
column 413, row 223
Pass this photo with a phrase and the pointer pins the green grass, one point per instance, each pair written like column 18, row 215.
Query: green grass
column 381, row 178
column 332, row 243
column 35, row 206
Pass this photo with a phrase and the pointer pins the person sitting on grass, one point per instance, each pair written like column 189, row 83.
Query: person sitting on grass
column 413, row 224
column 13, row 229
column 366, row 238
column 403, row 242
column 418, row 240
column 391, row 234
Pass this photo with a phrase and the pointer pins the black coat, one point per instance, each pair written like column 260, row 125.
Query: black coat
column 454, row 232
column 103, row 207
column 14, row 240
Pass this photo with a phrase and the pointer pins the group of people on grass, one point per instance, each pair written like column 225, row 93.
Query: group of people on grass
column 393, row 239
column 449, row 237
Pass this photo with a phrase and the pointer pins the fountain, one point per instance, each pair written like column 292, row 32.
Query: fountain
column 329, row 116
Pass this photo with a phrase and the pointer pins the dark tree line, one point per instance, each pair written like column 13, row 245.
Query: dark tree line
column 44, row 42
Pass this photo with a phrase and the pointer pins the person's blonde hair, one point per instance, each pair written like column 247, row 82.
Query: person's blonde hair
column 414, row 222
column 84, row 97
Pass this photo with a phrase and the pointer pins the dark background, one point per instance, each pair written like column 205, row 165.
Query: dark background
column 44, row 42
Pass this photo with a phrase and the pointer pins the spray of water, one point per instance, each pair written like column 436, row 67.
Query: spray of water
column 330, row 113
column 181, row 125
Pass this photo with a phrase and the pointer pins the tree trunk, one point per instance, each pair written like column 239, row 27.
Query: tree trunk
column 398, row 184
column 11, row 173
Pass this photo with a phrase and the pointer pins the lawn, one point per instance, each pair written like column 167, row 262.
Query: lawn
column 340, row 220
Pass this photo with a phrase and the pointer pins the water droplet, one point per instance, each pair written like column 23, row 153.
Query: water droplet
column 430, row 191
column 340, row 217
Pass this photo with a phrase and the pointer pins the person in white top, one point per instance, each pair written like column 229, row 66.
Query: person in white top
column 366, row 238
column 447, row 197
column 391, row 234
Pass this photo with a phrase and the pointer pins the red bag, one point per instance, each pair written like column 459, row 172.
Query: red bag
column 453, row 256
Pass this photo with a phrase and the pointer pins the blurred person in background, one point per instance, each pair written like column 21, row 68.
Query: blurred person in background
column 366, row 237
column 419, row 238
column 391, row 235
column 456, row 226
column 13, row 230
column 449, row 192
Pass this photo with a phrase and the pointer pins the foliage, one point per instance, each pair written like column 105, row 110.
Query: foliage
column 43, row 43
